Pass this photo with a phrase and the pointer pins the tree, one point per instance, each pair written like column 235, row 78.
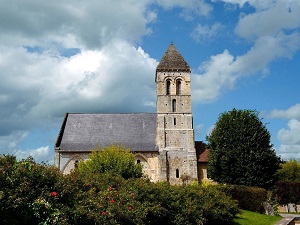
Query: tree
column 114, row 159
column 240, row 150
column 289, row 171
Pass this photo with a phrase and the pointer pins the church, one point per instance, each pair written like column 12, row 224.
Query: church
column 163, row 142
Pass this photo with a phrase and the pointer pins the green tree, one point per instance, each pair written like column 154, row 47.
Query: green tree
column 240, row 150
column 289, row 171
column 114, row 159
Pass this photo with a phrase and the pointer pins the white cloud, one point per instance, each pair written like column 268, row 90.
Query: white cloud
column 205, row 33
column 271, row 39
column 257, row 4
column 39, row 154
column 10, row 139
column 217, row 75
column 278, row 17
column 198, row 7
column 289, row 137
column 291, row 113
column 39, row 86
column 90, row 23
column 288, row 152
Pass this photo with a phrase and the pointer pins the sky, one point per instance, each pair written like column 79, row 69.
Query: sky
column 100, row 56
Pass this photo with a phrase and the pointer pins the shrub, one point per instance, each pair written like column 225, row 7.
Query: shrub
column 187, row 204
column 26, row 192
column 40, row 194
column 249, row 198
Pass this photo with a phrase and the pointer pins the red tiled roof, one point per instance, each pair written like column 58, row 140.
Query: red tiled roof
column 201, row 151
column 204, row 156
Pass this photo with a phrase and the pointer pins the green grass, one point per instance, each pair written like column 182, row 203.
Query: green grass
column 252, row 218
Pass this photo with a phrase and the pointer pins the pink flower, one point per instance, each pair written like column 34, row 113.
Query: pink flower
column 53, row 194
column 103, row 213
column 112, row 201
column 129, row 208
column 110, row 188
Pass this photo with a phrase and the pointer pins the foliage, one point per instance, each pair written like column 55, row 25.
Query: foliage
column 114, row 159
column 288, row 192
column 249, row 198
column 250, row 218
column 289, row 171
column 40, row 194
column 189, row 204
column 26, row 188
column 240, row 150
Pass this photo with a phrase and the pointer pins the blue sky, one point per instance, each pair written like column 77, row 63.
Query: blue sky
column 101, row 55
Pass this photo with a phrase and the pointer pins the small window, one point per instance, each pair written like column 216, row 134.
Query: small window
column 177, row 173
column 174, row 121
column 168, row 90
column 174, row 105
column 76, row 164
column 178, row 87
column 138, row 161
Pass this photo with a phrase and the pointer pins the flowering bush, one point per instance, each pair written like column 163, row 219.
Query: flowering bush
column 27, row 196
column 32, row 193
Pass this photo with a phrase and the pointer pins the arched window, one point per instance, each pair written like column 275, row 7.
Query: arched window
column 168, row 88
column 177, row 173
column 178, row 87
column 174, row 105
column 138, row 161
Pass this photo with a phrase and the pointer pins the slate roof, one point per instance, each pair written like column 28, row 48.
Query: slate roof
column 84, row 132
column 172, row 60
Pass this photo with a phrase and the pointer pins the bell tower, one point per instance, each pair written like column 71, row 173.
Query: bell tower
column 175, row 134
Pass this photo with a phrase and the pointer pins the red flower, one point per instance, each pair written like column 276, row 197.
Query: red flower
column 112, row 201
column 103, row 213
column 53, row 194
column 110, row 188
column 129, row 208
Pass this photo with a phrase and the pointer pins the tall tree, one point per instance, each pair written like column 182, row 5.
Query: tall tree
column 240, row 150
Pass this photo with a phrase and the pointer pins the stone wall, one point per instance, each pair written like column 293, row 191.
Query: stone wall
column 149, row 161
column 66, row 161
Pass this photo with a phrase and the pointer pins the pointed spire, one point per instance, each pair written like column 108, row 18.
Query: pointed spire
column 173, row 61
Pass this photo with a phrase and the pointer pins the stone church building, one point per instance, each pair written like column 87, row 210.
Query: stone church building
column 163, row 142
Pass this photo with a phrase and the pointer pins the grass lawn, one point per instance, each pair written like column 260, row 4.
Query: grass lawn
column 252, row 218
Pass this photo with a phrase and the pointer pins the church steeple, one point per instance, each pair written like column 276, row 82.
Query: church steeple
column 175, row 133
column 172, row 60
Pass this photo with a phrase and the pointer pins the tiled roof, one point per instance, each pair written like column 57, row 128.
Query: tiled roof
column 204, row 156
column 201, row 151
column 172, row 60
column 84, row 132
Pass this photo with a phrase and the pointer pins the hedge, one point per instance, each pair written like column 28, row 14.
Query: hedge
column 249, row 198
